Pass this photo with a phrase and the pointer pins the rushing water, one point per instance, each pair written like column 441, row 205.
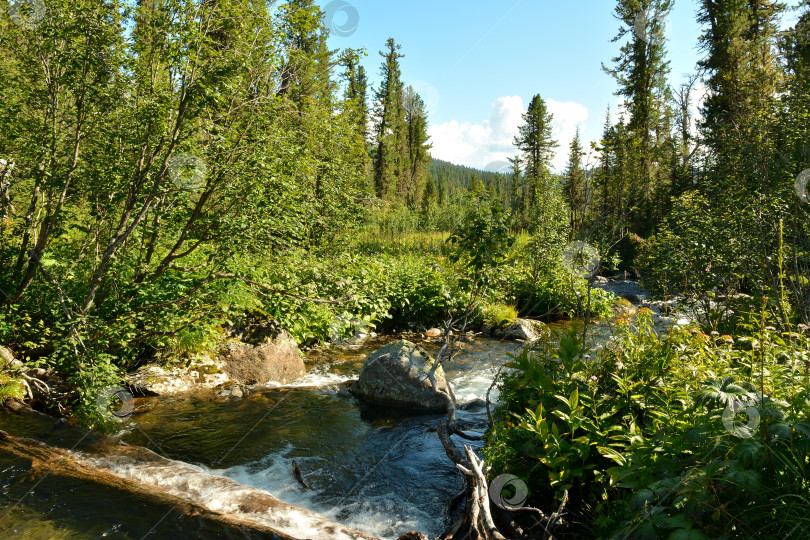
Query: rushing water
column 376, row 469
column 379, row 470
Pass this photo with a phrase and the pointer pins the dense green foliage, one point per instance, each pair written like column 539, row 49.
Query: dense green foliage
column 172, row 167
column 730, row 217
column 644, row 434
column 690, row 435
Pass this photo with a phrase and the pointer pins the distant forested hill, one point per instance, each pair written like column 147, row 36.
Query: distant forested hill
column 456, row 178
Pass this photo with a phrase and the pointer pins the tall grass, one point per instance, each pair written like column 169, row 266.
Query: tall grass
column 391, row 242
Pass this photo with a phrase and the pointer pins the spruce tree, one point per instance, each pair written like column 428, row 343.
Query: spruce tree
column 356, row 92
column 574, row 188
column 640, row 69
column 742, row 73
column 418, row 147
column 390, row 130
column 535, row 142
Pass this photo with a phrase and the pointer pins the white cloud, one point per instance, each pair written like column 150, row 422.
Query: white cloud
column 567, row 116
column 478, row 145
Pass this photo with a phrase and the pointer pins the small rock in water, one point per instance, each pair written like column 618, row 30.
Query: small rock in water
column 683, row 321
column 476, row 403
column 632, row 298
column 622, row 307
column 231, row 390
column 357, row 339
column 524, row 330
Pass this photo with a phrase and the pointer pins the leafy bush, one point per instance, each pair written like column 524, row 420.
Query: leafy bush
column 549, row 295
column 498, row 315
column 644, row 436
column 392, row 291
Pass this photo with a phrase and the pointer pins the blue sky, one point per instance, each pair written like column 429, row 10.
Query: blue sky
column 477, row 64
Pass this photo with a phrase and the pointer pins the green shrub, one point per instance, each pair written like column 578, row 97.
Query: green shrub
column 10, row 388
column 644, row 437
column 498, row 315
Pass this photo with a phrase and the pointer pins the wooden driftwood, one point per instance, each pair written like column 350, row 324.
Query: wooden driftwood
column 480, row 518
column 256, row 510
column 55, row 462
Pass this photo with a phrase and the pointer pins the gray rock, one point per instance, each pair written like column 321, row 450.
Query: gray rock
column 276, row 360
column 396, row 374
column 358, row 339
column 156, row 380
column 600, row 280
column 622, row 307
column 633, row 298
column 7, row 358
column 524, row 329
column 476, row 403
column 231, row 390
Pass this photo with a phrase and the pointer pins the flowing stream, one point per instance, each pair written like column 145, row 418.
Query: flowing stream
column 379, row 470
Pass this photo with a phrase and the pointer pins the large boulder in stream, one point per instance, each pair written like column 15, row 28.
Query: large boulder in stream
column 276, row 358
column 396, row 374
column 524, row 330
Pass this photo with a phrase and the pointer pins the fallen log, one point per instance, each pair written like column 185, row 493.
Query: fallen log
column 252, row 512
column 55, row 462
column 480, row 518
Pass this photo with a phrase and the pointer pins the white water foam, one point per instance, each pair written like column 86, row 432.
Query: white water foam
column 385, row 516
column 317, row 378
column 471, row 385
column 218, row 493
